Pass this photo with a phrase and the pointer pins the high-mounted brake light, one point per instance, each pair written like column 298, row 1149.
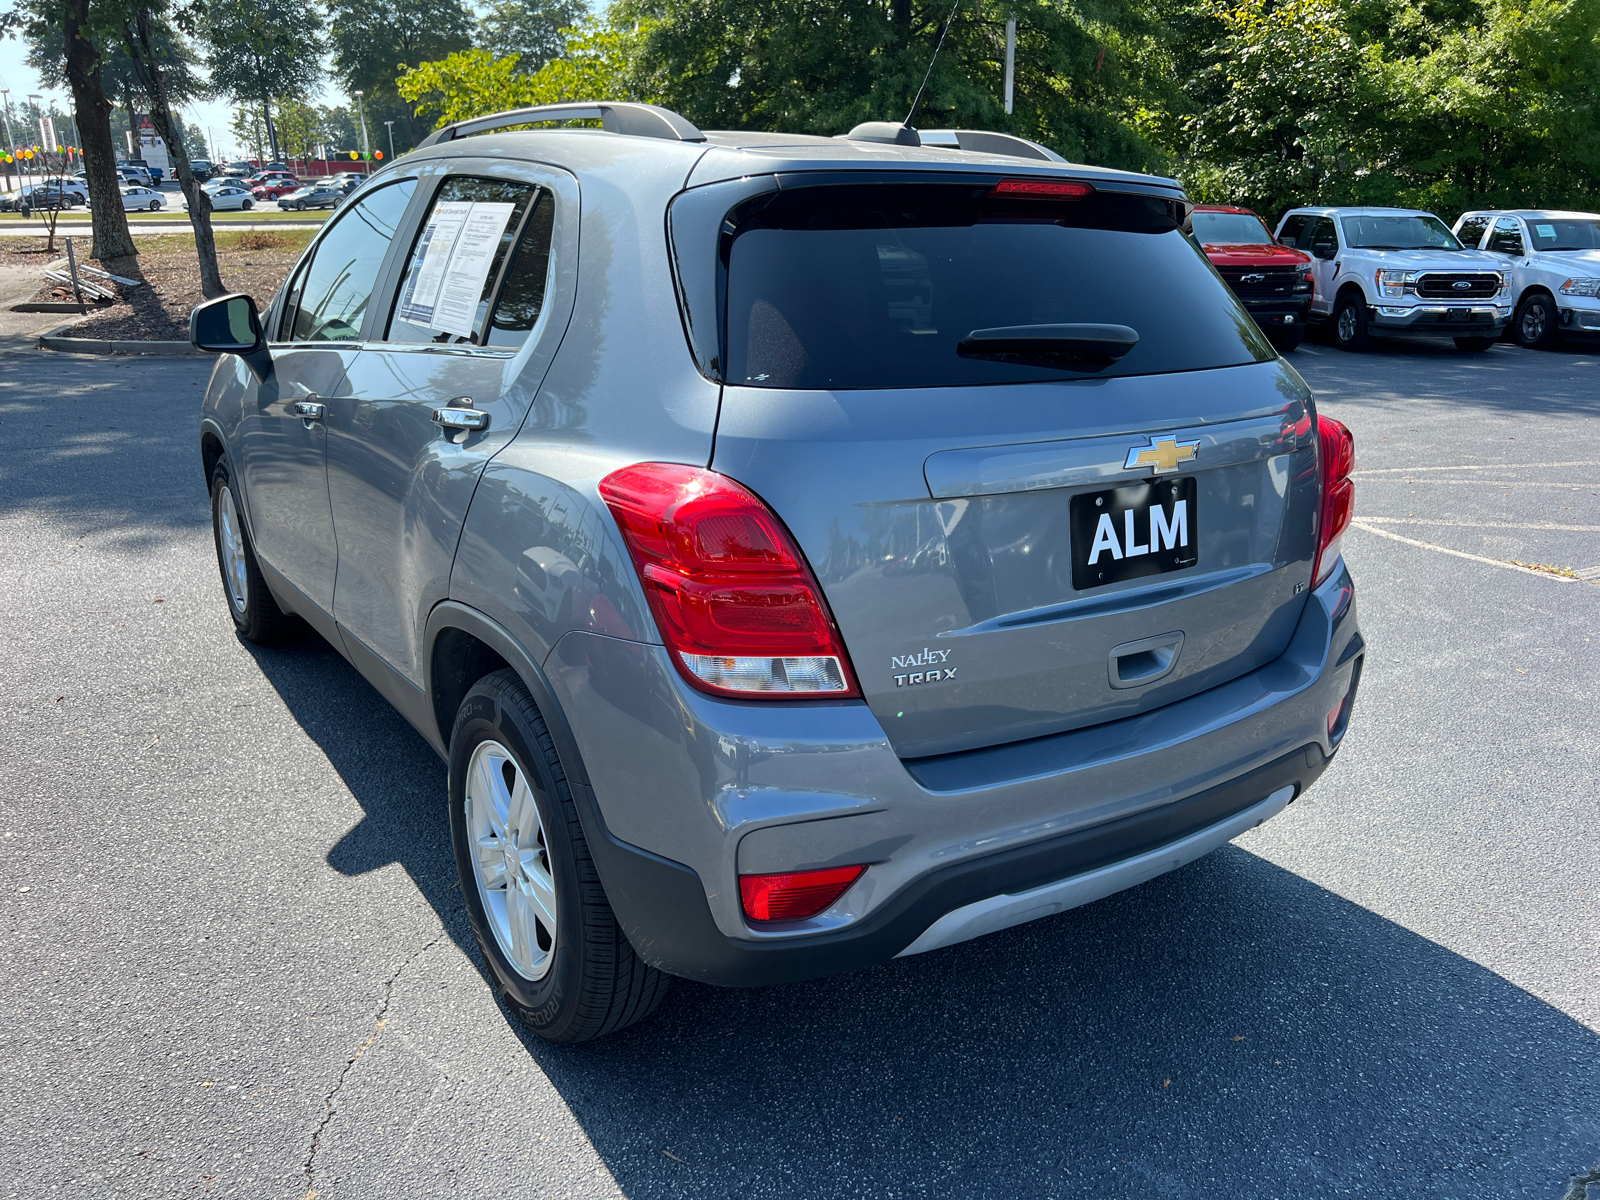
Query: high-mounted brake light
column 1337, row 452
column 736, row 603
column 796, row 895
column 1048, row 189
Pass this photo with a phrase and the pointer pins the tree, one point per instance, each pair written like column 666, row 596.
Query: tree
column 596, row 65
column 529, row 29
column 373, row 41
column 250, row 131
column 298, row 127
column 67, row 42
column 257, row 49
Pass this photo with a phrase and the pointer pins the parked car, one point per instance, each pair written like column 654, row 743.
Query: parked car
column 228, row 196
column 1398, row 270
column 154, row 173
column 1272, row 281
column 312, row 195
column 1553, row 258
column 239, row 170
column 142, row 199
column 43, row 197
column 625, row 555
column 274, row 186
column 201, row 169
column 136, row 171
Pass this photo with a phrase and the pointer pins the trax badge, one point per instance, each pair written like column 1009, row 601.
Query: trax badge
column 931, row 660
column 1161, row 455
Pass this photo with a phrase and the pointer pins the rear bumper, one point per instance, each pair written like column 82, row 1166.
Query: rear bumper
column 1484, row 318
column 686, row 793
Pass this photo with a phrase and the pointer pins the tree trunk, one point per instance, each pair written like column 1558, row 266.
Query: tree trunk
column 272, row 130
column 133, row 120
column 142, row 50
column 902, row 16
column 110, row 223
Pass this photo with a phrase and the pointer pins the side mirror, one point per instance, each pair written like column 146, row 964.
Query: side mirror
column 1324, row 250
column 230, row 325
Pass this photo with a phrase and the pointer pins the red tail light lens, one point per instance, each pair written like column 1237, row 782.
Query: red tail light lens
column 796, row 895
column 1052, row 189
column 736, row 603
column 1337, row 451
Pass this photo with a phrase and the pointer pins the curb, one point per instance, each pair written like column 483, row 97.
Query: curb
column 72, row 345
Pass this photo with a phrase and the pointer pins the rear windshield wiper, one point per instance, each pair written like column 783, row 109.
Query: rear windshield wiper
column 1076, row 347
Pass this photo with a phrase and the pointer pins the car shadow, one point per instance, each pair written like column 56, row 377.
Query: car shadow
column 1230, row 1029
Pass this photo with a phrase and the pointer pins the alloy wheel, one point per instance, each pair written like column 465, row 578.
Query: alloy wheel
column 1533, row 322
column 230, row 543
column 511, row 860
column 1347, row 324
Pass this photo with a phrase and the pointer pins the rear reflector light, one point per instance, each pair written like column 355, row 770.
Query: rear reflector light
column 796, row 895
column 1058, row 189
column 736, row 603
column 1337, row 452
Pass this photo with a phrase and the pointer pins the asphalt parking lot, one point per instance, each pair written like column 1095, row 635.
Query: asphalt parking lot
column 235, row 964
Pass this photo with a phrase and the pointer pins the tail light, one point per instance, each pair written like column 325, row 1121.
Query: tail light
column 1337, row 451
column 737, row 605
column 796, row 895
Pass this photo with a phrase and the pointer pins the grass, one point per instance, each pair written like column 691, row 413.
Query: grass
column 81, row 216
column 1545, row 568
column 227, row 239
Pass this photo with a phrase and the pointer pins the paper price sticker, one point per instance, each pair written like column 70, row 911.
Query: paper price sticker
column 457, row 249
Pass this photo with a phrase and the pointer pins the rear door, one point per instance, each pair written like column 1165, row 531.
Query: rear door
column 1022, row 540
column 465, row 333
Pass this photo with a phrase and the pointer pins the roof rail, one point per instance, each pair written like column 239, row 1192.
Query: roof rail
column 639, row 120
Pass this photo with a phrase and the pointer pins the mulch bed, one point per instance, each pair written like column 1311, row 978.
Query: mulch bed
column 253, row 262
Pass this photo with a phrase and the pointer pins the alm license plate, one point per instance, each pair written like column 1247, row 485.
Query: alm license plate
column 1129, row 532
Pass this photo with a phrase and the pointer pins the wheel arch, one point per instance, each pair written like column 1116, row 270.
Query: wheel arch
column 462, row 645
column 1536, row 289
column 1347, row 287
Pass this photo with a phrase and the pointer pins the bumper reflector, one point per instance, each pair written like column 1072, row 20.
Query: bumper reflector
column 796, row 895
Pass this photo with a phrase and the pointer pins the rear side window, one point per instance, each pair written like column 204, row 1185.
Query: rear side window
column 883, row 286
column 477, row 272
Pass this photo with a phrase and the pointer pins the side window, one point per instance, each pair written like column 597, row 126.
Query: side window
column 1472, row 230
column 328, row 299
column 1506, row 238
column 1293, row 228
column 1324, row 233
column 477, row 272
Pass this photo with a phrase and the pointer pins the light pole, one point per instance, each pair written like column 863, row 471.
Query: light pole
column 390, row 124
column 366, row 150
column 5, row 115
column 38, row 109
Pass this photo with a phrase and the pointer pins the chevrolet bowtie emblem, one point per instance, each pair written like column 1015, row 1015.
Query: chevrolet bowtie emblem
column 1161, row 455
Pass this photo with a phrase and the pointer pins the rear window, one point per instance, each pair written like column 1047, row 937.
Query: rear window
column 878, row 286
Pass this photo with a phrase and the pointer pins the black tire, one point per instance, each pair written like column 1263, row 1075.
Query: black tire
column 155, row 205
column 300, row 206
column 256, row 615
column 594, row 983
column 1474, row 345
column 1287, row 339
column 245, row 206
column 1535, row 325
column 1350, row 323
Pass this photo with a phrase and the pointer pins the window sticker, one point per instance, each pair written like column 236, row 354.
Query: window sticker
column 1546, row 231
column 457, row 249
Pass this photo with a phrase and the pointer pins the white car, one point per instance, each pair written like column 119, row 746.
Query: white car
column 227, row 196
column 1554, row 261
column 136, row 198
column 1398, row 270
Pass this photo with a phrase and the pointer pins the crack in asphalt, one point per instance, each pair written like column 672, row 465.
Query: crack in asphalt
column 1584, row 1187
column 330, row 1101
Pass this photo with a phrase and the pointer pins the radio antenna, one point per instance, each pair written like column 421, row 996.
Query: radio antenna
column 921, row 91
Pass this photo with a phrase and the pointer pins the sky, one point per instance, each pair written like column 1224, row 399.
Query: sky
column 214, row 115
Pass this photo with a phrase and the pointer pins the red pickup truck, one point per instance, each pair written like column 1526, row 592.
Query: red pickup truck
column 1274, row 282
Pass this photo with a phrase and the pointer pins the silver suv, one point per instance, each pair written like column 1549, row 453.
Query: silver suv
column 804, row 551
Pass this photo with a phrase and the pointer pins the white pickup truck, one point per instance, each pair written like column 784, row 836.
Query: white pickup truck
column 1554, row 262
column 1398, row 270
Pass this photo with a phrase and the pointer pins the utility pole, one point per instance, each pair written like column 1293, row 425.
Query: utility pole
column 1011, row 58
column 390, row 124
column 11, row 145
column 366, row 150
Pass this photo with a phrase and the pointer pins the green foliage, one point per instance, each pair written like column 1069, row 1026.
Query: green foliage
column 261, row 48
column 373, row 40
column 530, row 29
column 597, row 65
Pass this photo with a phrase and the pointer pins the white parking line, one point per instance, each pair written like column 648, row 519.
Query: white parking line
column 1493, row 562
column 1480, row 524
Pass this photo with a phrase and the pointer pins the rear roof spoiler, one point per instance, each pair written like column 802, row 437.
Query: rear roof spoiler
column 976, row 141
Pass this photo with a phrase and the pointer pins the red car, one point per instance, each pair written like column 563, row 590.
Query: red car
column 1274, row 282
column 270, row 187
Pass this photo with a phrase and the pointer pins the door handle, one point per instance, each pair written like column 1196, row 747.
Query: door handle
column 460, row 415
column 308, row 410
